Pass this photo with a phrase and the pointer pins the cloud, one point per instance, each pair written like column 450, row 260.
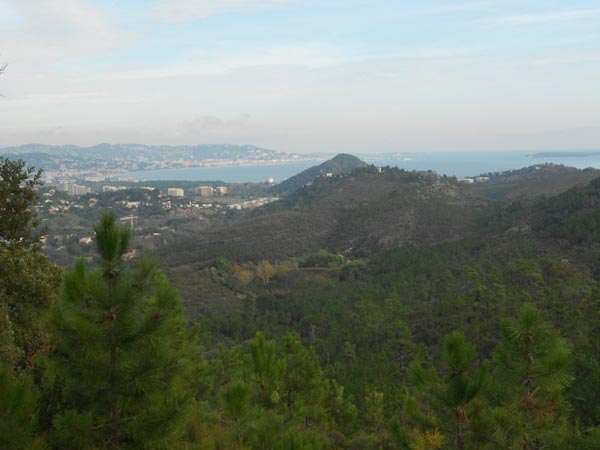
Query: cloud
column 301, row 56
column 60, row 98
column 570, row 59
column 184, row 10
column 210, row 123
column 455, row 8
column 47, row 32
column 542, row 18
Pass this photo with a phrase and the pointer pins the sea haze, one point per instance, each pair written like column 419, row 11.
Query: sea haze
column 447, row 163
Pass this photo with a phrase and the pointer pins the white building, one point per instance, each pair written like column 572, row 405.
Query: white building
column 204, row 191
column 175, row 192
column 113, row 188
column 74, row 189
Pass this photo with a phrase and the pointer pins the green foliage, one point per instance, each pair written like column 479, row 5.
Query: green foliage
column 17, row 198
column 123, row 359
column 451, row 402
column 236, row 400
column 29, row 284
column 347, row 353
column 18, row 410
column 272, row 394
column 321, row 259
column 9, row 351
column 533, row 368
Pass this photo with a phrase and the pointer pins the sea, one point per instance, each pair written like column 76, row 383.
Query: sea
column 460, row 164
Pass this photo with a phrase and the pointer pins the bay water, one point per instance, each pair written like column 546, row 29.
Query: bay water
column 458, row 164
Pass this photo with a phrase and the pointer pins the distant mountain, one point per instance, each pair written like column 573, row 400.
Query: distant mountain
column 338, row 165
column 565, row 154
column 132, row 157
column 202, row 151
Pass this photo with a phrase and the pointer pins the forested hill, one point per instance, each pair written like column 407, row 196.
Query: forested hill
column 364, row 213
column 338, row 165
column 542, row 179
column 405, row 329
column 568, row 219
column 373, row 208
column 351, row 213
column 478, row 327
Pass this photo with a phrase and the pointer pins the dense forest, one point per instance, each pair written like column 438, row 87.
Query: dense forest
column 476, row 326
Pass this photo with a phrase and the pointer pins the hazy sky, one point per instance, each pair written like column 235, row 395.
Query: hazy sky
column 303, row 75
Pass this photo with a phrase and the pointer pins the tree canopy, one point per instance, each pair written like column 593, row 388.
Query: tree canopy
column 17, row 199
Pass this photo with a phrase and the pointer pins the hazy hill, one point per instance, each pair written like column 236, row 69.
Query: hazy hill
column 133, row 157
column 106, row 150
column 338, row 165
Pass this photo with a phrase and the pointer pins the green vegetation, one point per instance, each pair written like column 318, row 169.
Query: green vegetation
column 490, row 340
column 122, row 361
column 17, row 196
column 354, row 213
column 28, row 282
column 543, row 179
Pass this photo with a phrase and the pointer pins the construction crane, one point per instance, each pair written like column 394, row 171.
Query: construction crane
column 131, row 217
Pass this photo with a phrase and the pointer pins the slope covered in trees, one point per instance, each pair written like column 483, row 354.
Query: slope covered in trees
column 356, row 212
column 372, row 208
column 485, row 342
column 543, row 179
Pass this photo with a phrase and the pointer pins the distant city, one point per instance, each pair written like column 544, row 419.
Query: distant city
column 68, row 166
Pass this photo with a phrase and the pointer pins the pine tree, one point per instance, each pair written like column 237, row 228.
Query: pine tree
column 449, row 402
column 533, row 367
column 17, row 196
column 28, row 281
column 17, row 410
column 235, row 400
column 29, row 285
column 123, row 358
column 264, row 369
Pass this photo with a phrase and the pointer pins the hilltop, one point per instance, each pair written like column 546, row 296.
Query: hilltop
column 338, row 165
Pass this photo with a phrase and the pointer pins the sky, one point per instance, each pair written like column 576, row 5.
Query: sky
column 303, row 75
